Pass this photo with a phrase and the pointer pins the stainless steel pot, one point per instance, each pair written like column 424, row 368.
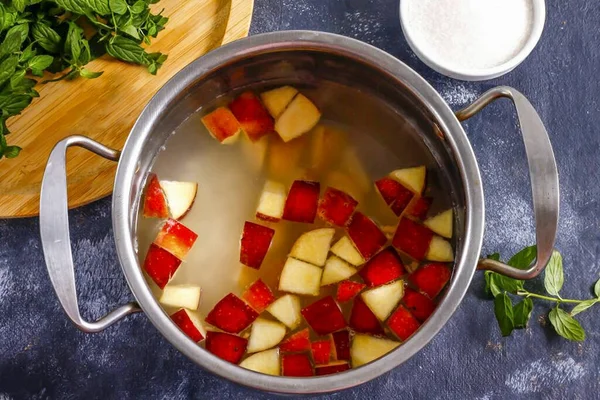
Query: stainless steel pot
column 300, row 57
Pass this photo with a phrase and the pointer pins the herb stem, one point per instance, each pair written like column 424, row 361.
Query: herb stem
column 554, row 299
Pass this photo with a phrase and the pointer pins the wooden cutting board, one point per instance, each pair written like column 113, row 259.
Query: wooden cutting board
column 106, row 108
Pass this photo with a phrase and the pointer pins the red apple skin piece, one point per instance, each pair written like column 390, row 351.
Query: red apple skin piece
column 403, row 323
column 418, row 304
column 231, row 314
column 183, row 321
column 333, row 368
column 324, row 316
column 366, row 235
column 362, row 318
column 296, row 365
column 160, row 265
column 302, row 202
column 394, row 194
column 155, row 202
column 226, row 346
column 258, row 295
column 255, row 243
column 347, row 290
column 419, row 207
column 222, row 124
column 412, row 238
column 341, row 341
column 336, row 207
column 297, row 342
column 252, row 115
column 176, row 238
column 321, row 351
column 385, row 267
column 431, row 278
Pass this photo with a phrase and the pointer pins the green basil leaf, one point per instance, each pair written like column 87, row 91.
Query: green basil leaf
column 86, row 54
column 12, row 151
column 126, row 50
column 504, row 314
column 46, row 37
column 27, row 54
column 597, row 289
column 22, row 29
column 86, row 73
column 119, row 7
column 19, row 5
column 138, row 7
column 494, row 256
column 7, row 68
column 40, row 62
column 584, row 305
column 524, row 258
column 553, row 274
column 491, row 285
column 100, row 6
column 508, row 284
column 131, row 31
column 565, row 325
column 7, row 17
column 11, row 43
column 522, row 313
column 75, row 6
column 13, row 105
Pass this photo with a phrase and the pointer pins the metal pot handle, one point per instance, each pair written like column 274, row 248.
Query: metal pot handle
column 54, row 230
column 543, row 174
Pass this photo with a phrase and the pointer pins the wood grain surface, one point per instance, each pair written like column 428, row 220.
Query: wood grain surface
column 105, row 109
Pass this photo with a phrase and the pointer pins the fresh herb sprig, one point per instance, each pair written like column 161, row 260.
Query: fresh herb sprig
column 62, row 37
column 511, row 317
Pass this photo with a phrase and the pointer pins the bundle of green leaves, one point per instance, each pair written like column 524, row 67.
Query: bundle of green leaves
column 62, row 37
column 512, row 317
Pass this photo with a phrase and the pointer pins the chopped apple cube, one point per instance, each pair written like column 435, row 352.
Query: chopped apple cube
column 347, row 290
column 265, row 362
column 276, row 100
column 412, row 239
column 180, row 196
column 411, row 178
column 402, row 323
column 231, row 314
column 258, row 295
column 345, row 249
column 272, row 201
column 254, row 244
column 341, row 341
column 394, row 194
column 226, row 346
column 300, row 116
column 313, row 246
column 222, row 125
column 176, row 238
column 344, row 181
column 385, row 267
column 299, row 341
column 302, row 202
column 419, row 207
column 418, row 304
column 367, row 348
column 265, row 334
column 431, row 278
column 300, row 277
column 333, row 368
column 382, row 299
column 324, row 316
column 442, row 224
column 336, row 207
column 366, row 235
column 252, row 115
column 190, row 324
column 362, row 318
column 287, row 310
column 336, row 270
column 439, row 250
column 160, row 265
column 296, row 365
column 321, row 351
column 181, row 296
column 155, row 203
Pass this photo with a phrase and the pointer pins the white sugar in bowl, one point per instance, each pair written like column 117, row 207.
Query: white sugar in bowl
column 472, row 40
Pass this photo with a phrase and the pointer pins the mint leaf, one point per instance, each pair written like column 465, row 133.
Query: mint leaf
column 118, row 6
column 11, row 43
column 597, row 289
column 504, row 314
column 565, row 325
column 7, row 68
column 12, row 151
column 491, row 288
column 46, row 37
column 86, row 73
column 22, row 29
column 19, row 5
column 40, row 62
column 553, row 274
column 494, row 256
column 522, row 313
column 524, row 258
column 126, row 50
column 100, row 6
column 138, row 7
column 13, row 105
column 75, row 6
column 584, row 305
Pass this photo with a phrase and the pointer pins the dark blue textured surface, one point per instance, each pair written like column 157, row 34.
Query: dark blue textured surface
column 43, row 356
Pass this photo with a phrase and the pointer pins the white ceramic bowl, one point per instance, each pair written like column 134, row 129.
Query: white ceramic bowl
column 479, row 74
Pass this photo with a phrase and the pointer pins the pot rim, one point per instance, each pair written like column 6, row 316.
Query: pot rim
column 457, row 140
